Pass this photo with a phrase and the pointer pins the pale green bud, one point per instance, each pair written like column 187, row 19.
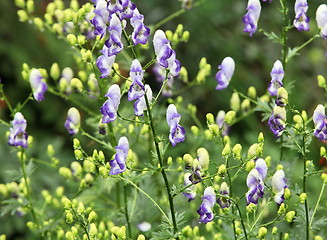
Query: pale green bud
column 22, row 15
column 195, row 130
column 76, row 84
column 65, row 172
column 265, row 98
column 169, row 35
column 281, row 209
column 238, row 231
column 86, row 55
column 74, row 230
column 76, row 143
column 60, row 233
column 57, row 28
column 103, row 171
column 321, row 81
column 226, row 150
column 322, row 152
column 101, row 156
column 203, row 62
column 169, row 161
column 251, row 208
column 119, row 232
column 274, row 230
column 262, row 232
column 81, row 40
column 92, row 216
column 59, row 4
column 30, row 6
column 20, row 3
column 268, row 161
column 252, row 152
column 81, row 13
column 214, row 128
column 89, row 166
column 74, row 5
column 76, row 168
column 210, row 226
column 252, row 92
column 175, row 39
column 261, row 138
column 183, row 75
column 81, row 208
column 245, row 105
column 208, row 135
column 324, row 178
column 51, row 7
column 141, row 237
column 179, row 29
column 3, row 191
column 302, row 198
column 50, row 150
column 317, row 237
column 55, row 71
column 38, row 23
column 78, row 154
column 191, row 108
column 186, row 36
column 222, row 170
column 69, row 217
column 249, row 165
column 210, row 119
column 66, row 202
column 60, row 191
column 279, row 167
column 235, row 102
column 31, row 225
column 287, row 193
column 290, row 216
column 48, row 18
column 188, row 160
column 237, row 151
column 196, row 231
column 72, row 40
column 88, row 179
column 286, row 236
column 229, row 117
column 282, row 96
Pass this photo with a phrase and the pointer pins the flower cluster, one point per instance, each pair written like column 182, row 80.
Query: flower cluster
column 301, row 21
column 278, row 183
column 18, row 135
column 320, row 120
column 208, row 202
column 73, row 121
column 224, row 75
column 277, row 121
column 118, row 164
column 255, row 182
column 277, row 75
column 252, row 16
column 177, row 132
column 110, row 107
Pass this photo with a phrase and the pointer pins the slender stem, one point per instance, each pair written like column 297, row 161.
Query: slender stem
column 130, row 44
column 304, row 188
column 285, row 29
column 4, row 97
column 106, row 145
column 257, row 219
column 167, row 19
column 315, row 209
column 126, row 212
column 161, row 89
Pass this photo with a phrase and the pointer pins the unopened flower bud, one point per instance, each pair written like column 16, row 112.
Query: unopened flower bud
column 183, row 75
column 119, row 232
column 74, row 230
column 251, row 207
column 286, row 236
column 76, row 143
column 65, row 172
column 22, row 15
column 290, row 216
column 249, row 165
column 226, row 150
column 55, row 71
column 210, row 119
column 169, row 34
column 229, row 117
column 214, row 129
column 30, row 6
column 282, row 97
column 324, row 178
column 287, row 193
column 72, row 40
column 185, row 36
column 76, row 84
column 69, row 217
column 302, row 198
column 235, row 102
column 86, row 55
column 188, row 160
column 245, row 105
column 208, row 134
column 252, row 152
column 317, row 237
column 261, row 138
column 322, row 152
column 57, row 28
column 141, row 237
column 281, row 209
column 252, row 92
column 321, row 81
column 268, row 161
column 195, row 130
column 78, row 154
column 274, row 230
column 92, row 216
column 103, row 171
column 76, row 168
column 88, row 179
column 237, row 151
column 279, row 167
column 89, row 166
column 38, row 23
column 222, row 170
column 262, row 232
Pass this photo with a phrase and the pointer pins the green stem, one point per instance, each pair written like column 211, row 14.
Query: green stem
column 257, row 219
column 126, row 212
column 285, row 29
column 106, row 145
column 167, row 19
column 304, row 189
column 316, row 207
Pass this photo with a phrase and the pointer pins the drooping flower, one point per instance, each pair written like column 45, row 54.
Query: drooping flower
column 73, row 121
column 277, row 120
column 18, row 135
column 118, row 164
column 166, row 56
column 301, row 21
column 141, row 32
column 208, row 202
column 140, row 104
column 177, row 132
column 252, row 16
column 161, row 76
column 220, row 120
column 136, row 89
column 128, row 9
column 101, row 18
column 278, row 183
column 225, row 73
column 222, row 201
column 277, row 75
column 321, row 18
column 189, row 192
column 110, row 107
column 105, row 62
column 114, row 43
column 320, row 121
column 255, row 182
column 38, row 85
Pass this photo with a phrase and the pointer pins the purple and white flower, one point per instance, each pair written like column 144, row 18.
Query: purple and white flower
column 252, row 16
column 255, row 182
column 104, row 62
column 118, row 164
column 73, row 121
column 67, row 75
column 128, row 9
column 101, row 18
column 114, row 43
column 18, row 135
column 110, row 107
column 277, row 121
column 278, row 183
column 301, row 21
column 222, row 201
column 189, row 192
column 320, row 121
column 136, row 89
column 140, row 104
column 225, row 73
column 38, row 85
column 321, row 18
column 208, row 202
column 220, row 120
column 141, row 32
column 277, row 75
column 197, row 172
column 177, row 132
column 166, row 56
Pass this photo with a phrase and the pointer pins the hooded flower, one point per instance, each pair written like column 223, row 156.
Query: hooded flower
column 177, row 132
column 252, row 16
column 225, row 73
column 104, row 63
column 140, row 104
column 224, row 190
column 255, row 182
column 208, row 202
column 101, row 18
column 166, row 56
column 118, row 164
column 220, row 120
column 277, row 75
column 73, row 121
column 197, row 172
column 189, row 192
column 278, row 183
column 141, row 32
column 277, row 120
column 301, row 21
column 38, row 85
column 110, row 107
column 136, row 89
column 321, row 18
column 114, row 43
column 18, row 135
column 320, row 122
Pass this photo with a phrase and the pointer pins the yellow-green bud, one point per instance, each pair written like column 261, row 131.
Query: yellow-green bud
column 89, row 166
column 287, row 193
column 72, row 40
column 196, row 231
column 183, row 75
column 76, row 168
column 179, row 29
column 304, row 115
column 92, row 216
column 214, row 128
column 265, row 98
column 186, row 36
column 324, row 178
column 59, row 4
column 203, row 62
column 262, row 232
column 281, row 209
column 50, row 150
column 282, row 97
column 286, row 236
column 74, row 230
column 22, row 15
column 69, row 217
column 261, row 138
column 222, row 170
column 229, row 117
column 78, row 154
column 208, row 134
column 321, row 81
column 238, row 231
column 66, row 202
column 195, row 130
column 60, row 233
column 38, row 23
column 252, row 92
column 188, row 160
column 57, row 28
column 60, row 191
column 20, row 3
column 169, row 35
column 81, row 40
column 65, row 172
column 191, row 108
column 268, row 161
column 210, row 119
column 51, row 7
column 48, row 18
column 251, row 208
column 55, row 71
column 3, row 191
column 86, row 55
column 245, row 105
column 74, row 5
column 226, row 151
column 30, row 6
column 237, row 151
column 302, row 198
column 274, row 230
column 317, row 237
column 322, row 152
column 81, row 13
column 235, row 102
column 290, row 216
column 279, row 167
column 249, row 165
column 76, row 143
column 209, row 226
column 88, row 179
column 103, row 171
column 119, row 232
column 80, row 208
column 252, row 152
column 76, row 84
column 141, row 237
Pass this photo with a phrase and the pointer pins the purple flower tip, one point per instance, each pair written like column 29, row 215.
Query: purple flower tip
column 224, row 75
column 118, row 164
column 177, row 132
column 38, row 85
column 252, row 16
column 18, row 135
column 73, row 121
